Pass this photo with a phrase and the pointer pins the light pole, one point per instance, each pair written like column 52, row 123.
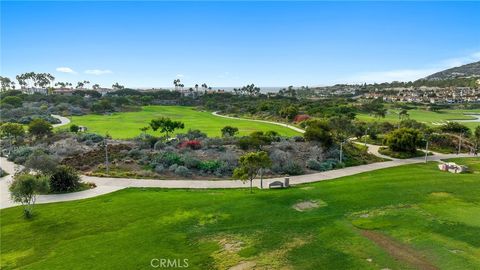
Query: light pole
column 365, row 138
column 341, row 151
column 460, row 144
column 426, row 149
column 106, row 153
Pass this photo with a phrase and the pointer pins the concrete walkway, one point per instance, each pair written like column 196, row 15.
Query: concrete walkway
column 262, row 121
column 63, row 120
column 107, row 185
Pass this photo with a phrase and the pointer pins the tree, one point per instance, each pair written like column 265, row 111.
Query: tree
column 403, row 140
column 476, row 136
column 319, row 131
column 12, row 130
column 289, row 112
column 455, row 127
column 117, row 86
column 250, row 165
column 166, row 125
column 229, row 131
column 39, row 127
column 25, row 188
column 12, row 100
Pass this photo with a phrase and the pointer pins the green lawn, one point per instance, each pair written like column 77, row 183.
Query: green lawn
column 431, row 217
column 427, row 117
column 128, row 124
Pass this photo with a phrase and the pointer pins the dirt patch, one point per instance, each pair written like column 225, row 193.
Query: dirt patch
column 399, row 251
column 308, row 205
column 230, row 245
column 441, row 194
column 244, row 266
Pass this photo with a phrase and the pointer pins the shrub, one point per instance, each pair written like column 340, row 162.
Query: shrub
column 301, row 117
column 168, row 159
column 173, row 167
column 191, row 162
column 74, row 128
column 403, row 140
column 39, row 127
column 64, row 179
column 314, row 164
column 90, row 137
column 159, row 145
column 319, row 131
column 159, row 168
column 209, row 166
column 297, row 139
column 20, row 154
column 182, row 171
column 229, row 131
column 40, row 161
column 293, row 168
column 192, row 144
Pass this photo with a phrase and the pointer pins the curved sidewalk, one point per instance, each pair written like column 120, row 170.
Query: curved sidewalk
column 261, row 121
column 107, row 185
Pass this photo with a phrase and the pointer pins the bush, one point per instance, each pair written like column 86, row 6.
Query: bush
column 293, row 168
column 314, row 164
column 191, row 162
column 192, row 144
column 318, row 131
column 64, row 179
column 403, row 140
column 159, row 145
column 182, row 171
column 173, row 167
column 90, row 137
column 40, row 128
column 20, row 154
column 168, row 159
column 327, row 165
column 209, row 166
column 40, row 161
column 74, row 128
column 159, row 168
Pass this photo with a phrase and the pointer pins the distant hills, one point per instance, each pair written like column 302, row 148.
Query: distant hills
column 468, row 70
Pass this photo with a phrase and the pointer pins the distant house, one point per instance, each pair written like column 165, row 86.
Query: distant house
column 64, row 91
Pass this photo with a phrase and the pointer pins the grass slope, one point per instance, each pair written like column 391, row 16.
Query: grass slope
column 127, row 125
column 433, row 215
column 427, row 117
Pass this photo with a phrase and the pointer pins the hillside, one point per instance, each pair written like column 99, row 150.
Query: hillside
column 472, row 69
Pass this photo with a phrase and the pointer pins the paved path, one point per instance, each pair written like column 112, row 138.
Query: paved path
column 262, row 121
column 63, row 120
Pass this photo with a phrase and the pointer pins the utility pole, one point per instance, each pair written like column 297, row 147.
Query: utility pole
column 426, row 151
column 106, row 154
column 341, row 151
column 460, row 144
column 365, row 138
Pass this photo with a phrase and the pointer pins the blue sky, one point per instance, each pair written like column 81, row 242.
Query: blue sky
column 146, row 44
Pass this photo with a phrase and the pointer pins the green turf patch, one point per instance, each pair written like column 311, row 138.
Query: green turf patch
column 434, row 213
column 127, row 124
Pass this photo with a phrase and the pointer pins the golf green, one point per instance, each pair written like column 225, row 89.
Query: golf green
column 127, row 125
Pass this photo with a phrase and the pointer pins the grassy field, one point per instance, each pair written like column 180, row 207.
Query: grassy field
column 428, row 117
column 128, row 124
column 408, row 217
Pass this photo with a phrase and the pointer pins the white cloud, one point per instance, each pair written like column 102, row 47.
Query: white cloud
column 411, row 74
column 180, row 75
column 66, row 70
column 98, row 71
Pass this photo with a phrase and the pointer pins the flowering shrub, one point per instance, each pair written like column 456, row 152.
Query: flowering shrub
column 301, row 117
column 192, row 144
